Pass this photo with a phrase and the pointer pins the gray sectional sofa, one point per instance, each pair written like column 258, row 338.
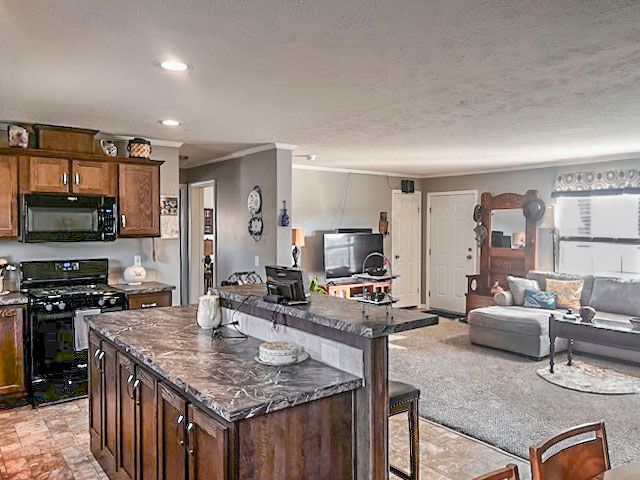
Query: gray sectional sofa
column 526, row 330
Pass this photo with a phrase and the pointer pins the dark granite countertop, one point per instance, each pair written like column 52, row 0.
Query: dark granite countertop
column 333, row 312
column 221, row 374
column 144, row 287
column 13, row 298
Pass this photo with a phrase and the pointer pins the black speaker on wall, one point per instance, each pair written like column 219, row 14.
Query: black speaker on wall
column 407, row 186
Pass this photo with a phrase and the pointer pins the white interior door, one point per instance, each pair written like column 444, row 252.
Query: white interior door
column 452, row 249
column 406, row 238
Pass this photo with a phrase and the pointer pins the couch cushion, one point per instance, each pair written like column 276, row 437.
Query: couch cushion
column 520, row 320
column 504, row 298
column 541, row 278
column 614, row 320
column 616, row 296
column 518, row 285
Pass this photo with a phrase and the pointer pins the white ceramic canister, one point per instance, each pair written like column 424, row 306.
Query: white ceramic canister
column 209, row 314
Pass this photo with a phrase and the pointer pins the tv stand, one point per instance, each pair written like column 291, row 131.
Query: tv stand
column 351, row 287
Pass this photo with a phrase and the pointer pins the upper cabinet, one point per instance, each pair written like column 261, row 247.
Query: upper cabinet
column 139, row 200
column 94, row 178
column 8, row 196
column 44, row 175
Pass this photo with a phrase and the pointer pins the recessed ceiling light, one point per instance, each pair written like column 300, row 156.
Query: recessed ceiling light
column 173, row 65
column 169, row 122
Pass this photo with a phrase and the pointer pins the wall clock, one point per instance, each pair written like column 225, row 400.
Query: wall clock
column 254, row 201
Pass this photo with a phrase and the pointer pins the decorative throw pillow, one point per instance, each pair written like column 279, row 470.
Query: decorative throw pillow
column 518, row 285
column 504, row 299
column 539, row 299
column 567, row 292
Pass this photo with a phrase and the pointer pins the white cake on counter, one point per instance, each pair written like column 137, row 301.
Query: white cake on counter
column 278, row 353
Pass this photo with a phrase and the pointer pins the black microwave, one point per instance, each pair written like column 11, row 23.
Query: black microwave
column 68, row 218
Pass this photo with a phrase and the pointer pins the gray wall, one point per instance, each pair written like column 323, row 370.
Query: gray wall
column 324, row 201
column 236, row 250
column 120, row 253
column 516, row 181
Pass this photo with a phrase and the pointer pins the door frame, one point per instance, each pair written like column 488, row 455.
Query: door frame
column 419, row 260
column 190, row 242
column 476, row 250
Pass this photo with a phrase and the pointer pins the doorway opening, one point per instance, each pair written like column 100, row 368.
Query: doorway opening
column 202, row 239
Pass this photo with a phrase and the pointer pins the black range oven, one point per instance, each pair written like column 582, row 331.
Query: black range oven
column 60, row 294
column 68, row 218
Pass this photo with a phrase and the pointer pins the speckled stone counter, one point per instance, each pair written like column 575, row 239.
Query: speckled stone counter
column 13, row 298
column 327, row 311
column 145, row 287
column 220, row 374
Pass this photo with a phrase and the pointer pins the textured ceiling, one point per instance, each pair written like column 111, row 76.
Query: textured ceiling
column 416, row 87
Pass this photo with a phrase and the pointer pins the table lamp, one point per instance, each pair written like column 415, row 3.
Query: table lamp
column 297, row 240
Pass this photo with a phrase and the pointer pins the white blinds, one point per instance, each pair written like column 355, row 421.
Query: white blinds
column 601, row 216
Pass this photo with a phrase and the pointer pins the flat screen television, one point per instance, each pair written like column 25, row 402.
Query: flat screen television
column 345, row 252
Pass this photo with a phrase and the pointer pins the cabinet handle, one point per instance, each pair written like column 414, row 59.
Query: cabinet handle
column 100, row 357
column 178, row 436
column 64, row 178
column 77, row 178
column 123, row 220
column 149, row 305
column 96, row 354
column 191, row 447
column 129, row 380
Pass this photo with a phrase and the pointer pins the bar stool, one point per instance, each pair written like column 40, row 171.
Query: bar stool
column 404, row 398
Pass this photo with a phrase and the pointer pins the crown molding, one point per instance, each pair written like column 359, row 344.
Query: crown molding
column 156, row 142
column 319, row 168
column 240, row 153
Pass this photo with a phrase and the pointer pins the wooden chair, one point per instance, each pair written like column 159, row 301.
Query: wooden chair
column 404, row 397
column 580, row 461
column 510, row 472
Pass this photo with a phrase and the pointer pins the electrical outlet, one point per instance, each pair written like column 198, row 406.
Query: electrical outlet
column 330, row 355
column 256, row 261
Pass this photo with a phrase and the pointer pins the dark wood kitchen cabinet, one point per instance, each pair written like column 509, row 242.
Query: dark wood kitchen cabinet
column 149, row 300
column 126, row 417
column 94, row 178
column 146, row 425
column 8, row 196
column 44, row 175
column 172, row 418
column 206, row 446
column 139, row 200
column 12, row 384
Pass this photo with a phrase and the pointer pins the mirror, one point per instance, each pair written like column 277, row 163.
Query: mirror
column 508, row 229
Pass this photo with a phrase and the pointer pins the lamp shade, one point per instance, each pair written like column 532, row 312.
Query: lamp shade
column 297, row 237
column 519, row 238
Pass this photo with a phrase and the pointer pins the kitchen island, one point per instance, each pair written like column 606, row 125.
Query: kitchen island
column 166, row 397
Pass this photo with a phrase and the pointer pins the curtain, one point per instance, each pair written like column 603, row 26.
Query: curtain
column 606, row 182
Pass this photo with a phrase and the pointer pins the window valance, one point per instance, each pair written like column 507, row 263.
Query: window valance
column 606, row 182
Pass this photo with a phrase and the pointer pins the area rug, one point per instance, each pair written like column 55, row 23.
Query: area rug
column 584, row 377
column 498, row 398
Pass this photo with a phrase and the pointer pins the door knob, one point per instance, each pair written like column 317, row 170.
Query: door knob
column 469, row 257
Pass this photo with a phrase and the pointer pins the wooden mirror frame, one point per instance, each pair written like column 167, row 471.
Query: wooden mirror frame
column 496, row 263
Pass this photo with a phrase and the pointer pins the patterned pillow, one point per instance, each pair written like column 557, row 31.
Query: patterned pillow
column 567, row 292
column 539, row 299
column 518, row 285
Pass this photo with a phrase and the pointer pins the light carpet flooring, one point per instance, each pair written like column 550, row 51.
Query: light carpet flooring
column 53, row 443
column 498, row 398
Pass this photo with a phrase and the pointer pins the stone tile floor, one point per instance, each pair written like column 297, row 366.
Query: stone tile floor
column 53, row 443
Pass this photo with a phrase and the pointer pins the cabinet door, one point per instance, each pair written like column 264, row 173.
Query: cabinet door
column 206, row 446
column 11, row 358
column 147, row 425
column 149, row 300
column 8, row 197
column 95, row 393
column 139, row 200
column 171, row 434
column 126, row 417
column 109, row 367
column 48, row 175
column 94, row 178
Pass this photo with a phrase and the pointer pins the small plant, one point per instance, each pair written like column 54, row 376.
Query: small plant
column 315, row 287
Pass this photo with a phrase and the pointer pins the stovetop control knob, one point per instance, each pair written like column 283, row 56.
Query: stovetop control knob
column 101, row 302
column 112, row 301
column 48, row 307
column 62, row 305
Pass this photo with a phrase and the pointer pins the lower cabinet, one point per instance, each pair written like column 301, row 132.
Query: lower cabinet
column 143, row 429
column 12, row 384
